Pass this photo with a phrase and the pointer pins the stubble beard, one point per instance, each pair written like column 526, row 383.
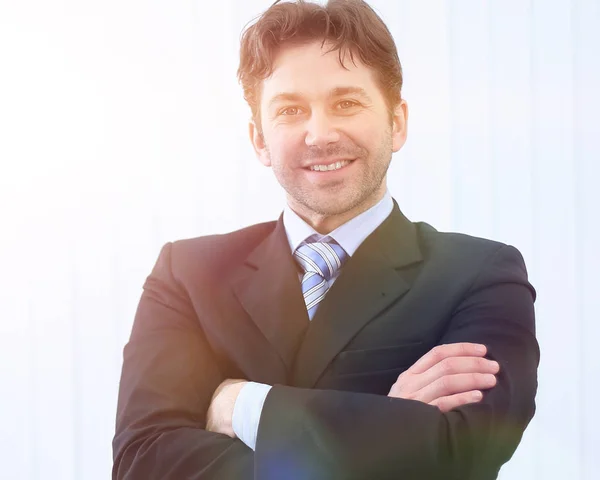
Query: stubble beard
column 338, row 199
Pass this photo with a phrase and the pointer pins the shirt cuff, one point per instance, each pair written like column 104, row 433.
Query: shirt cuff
column 246, row 411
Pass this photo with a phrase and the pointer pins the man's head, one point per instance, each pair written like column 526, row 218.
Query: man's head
column 310, row 106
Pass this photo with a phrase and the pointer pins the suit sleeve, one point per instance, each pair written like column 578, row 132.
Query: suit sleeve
column 322, row 434
column 169, row 375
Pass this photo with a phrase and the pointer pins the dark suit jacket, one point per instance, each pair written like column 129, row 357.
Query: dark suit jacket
column 230, row 306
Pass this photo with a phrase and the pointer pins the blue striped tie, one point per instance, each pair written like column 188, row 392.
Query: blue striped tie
column 320, row 262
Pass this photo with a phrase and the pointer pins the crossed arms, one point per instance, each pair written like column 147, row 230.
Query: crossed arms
column 420, row 430
column 447, row 377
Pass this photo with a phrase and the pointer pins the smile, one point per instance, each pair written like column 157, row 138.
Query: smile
column 332, row 166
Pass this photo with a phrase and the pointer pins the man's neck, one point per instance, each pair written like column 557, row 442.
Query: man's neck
column 325, row 224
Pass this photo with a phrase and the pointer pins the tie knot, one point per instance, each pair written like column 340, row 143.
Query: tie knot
column 324, row 257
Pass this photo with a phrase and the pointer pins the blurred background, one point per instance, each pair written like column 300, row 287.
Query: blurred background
column 122, row 127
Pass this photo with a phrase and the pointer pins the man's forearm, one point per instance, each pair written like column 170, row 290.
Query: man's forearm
column 448, row 376
column 323, row 434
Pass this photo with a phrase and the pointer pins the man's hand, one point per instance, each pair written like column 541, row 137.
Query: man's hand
column 448, row 376
column 220, row 411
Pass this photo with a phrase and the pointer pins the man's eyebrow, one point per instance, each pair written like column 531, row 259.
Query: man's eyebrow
column 340, row 91
column 285, row 96
column 335, row 92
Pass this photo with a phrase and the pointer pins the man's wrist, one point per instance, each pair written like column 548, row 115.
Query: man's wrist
column 230, row 395
column 220, row 411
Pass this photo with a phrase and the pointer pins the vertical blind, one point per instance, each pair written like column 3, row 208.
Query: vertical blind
column 122, row 127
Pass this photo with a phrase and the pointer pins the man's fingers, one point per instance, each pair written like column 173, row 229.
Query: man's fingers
column 447, row 370
column 441, row 352
column 450, row 402
column 453, row 366
column 453, row 384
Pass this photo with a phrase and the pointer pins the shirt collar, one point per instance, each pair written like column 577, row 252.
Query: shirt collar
column 349, row 235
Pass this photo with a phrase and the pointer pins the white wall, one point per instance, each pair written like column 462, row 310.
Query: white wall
column 122, row 127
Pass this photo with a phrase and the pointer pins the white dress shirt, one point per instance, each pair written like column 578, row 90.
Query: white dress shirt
column 252, row 396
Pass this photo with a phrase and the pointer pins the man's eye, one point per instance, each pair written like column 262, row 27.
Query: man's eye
column 350, row 103
column 287, row 110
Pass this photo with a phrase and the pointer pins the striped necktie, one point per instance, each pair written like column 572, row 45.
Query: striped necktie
column 320, row 261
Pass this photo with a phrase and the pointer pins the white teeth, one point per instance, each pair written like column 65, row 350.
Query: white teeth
column 333, row 166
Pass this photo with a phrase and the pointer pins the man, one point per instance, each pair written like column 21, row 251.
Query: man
column 341, row 341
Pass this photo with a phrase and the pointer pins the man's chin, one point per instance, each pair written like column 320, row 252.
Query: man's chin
column 330, row 207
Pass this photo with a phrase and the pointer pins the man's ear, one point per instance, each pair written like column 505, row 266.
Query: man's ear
column 400, row 125
column 258, row 143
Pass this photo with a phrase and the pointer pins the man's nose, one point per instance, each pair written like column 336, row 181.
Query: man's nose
column 321, row 130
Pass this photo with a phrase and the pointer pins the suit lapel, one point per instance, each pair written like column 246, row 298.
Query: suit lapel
column 370, row 281
column 268, row 287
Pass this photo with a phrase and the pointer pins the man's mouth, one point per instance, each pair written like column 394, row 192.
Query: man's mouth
column 329, row 167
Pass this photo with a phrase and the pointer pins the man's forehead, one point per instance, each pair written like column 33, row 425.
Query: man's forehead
column 293, row 62
column 308, row 71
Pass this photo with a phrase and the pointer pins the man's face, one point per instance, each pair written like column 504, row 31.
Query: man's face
column 316, row 115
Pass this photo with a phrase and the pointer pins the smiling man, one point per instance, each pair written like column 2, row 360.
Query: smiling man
column 330, row 138
column 341, row 341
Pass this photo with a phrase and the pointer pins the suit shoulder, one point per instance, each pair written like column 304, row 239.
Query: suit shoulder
column 220, row 249
column 458, row 259
column 433, row 239
column 460, row 247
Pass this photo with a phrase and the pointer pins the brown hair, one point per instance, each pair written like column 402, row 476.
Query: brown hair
column 351, row 25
